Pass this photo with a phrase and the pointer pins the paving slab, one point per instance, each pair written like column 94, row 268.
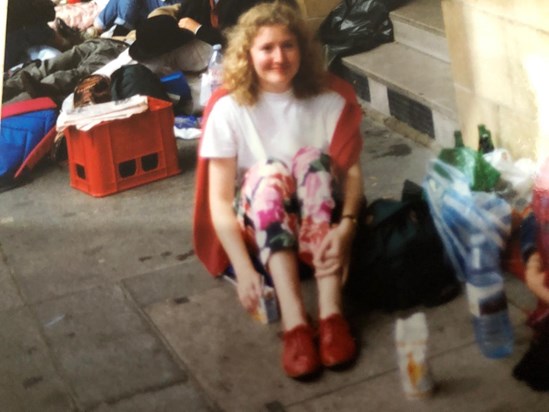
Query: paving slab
column 237, row 361
column 466, row 382
column 9, row 294
column 110, row 238
column 106, row 350
column 388, row 159
column 174, row 282
column 29, row 380
column 234, row 358
column 176, row 398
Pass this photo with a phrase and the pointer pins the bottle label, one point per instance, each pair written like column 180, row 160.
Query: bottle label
column 415, row 373
column 486, row 300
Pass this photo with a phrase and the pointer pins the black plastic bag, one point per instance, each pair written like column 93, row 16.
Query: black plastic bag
column 398, row 259
column 132, row 79
column 355, row 26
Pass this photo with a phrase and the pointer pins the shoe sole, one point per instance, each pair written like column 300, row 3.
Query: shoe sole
column 309, row 377
column 341, row 366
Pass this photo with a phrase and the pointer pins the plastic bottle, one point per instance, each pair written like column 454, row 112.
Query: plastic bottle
column 215, row 68
column 488, row 303
column 485, row 144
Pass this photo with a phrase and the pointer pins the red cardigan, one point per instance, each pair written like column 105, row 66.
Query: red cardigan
column 344, row 151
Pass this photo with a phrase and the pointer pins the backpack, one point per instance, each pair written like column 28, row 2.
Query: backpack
column 398, row 259
column 27, row 134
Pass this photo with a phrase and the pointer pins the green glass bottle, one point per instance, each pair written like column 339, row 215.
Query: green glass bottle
column 485, row 144
column 458, row 139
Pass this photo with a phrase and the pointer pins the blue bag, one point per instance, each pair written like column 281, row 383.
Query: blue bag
column 27, row 133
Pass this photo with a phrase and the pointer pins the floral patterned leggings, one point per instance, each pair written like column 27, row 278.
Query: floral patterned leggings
column 287, row 208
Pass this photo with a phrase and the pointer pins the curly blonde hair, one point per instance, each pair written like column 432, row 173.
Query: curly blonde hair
column 239, row 76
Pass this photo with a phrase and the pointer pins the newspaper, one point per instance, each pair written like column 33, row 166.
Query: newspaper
column 86, row 117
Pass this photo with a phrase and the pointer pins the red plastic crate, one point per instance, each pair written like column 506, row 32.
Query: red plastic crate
column 121, row 154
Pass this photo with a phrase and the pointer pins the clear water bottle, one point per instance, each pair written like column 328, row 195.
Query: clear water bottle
column 488, row 304
column 215, row 68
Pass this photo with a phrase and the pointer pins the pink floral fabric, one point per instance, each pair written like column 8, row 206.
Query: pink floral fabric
column 287, row 208
column 79, row 16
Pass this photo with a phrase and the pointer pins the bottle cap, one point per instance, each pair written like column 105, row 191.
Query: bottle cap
column 217, row 46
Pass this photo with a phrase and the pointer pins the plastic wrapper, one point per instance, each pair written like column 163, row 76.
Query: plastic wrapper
column 517, row 178
column 411, row 338
column 267, row 309
column 461, row 215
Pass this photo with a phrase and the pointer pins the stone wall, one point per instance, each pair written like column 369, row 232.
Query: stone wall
column 500, row 62
column 316, row 10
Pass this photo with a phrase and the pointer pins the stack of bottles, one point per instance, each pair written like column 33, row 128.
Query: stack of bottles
column 487, row 300
column 485, row 143
column 484, row 281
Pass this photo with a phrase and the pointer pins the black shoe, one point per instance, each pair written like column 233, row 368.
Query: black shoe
column 533, row 368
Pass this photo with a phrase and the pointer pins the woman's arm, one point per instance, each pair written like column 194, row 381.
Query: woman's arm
column 334, row 251
column 222, row 174
column 534, row 274
column 536, row 277
column 353, row 192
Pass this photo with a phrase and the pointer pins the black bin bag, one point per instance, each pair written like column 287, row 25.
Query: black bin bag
column 355, row 26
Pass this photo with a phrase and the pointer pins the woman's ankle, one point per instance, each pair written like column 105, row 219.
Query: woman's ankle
column 329, row 296
column 325, row 311
column 289, row 322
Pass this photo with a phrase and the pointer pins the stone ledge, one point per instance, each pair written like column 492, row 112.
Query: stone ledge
column 317, row 8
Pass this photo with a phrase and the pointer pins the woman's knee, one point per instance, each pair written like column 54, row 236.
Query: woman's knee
column 307, row 156
column 270, row 174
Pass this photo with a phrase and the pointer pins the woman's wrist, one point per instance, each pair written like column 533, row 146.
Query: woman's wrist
column 348, row 223
column 350, row 217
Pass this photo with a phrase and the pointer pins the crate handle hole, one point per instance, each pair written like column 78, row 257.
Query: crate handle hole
column 149, row 162
column 127, row 168
column 80, row 171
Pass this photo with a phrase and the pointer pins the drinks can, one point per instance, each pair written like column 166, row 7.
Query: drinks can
column 411, row 343
column 415, row 373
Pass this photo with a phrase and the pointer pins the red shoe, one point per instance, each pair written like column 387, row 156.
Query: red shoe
column 337, row 346
column 300, row 356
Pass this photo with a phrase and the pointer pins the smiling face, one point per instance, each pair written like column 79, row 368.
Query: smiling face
column 275, row 57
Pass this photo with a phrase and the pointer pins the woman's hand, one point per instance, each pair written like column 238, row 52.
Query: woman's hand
column 535, row 277
column 188, row 24
column 249, row 289
column 332, row 256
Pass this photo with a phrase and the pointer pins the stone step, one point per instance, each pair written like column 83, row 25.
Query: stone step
column 419, row 24
column 407, row 84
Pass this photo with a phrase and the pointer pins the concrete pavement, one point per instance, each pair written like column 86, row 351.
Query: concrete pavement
column 104, row 307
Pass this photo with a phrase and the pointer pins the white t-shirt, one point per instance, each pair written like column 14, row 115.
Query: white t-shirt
column 283, row 123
